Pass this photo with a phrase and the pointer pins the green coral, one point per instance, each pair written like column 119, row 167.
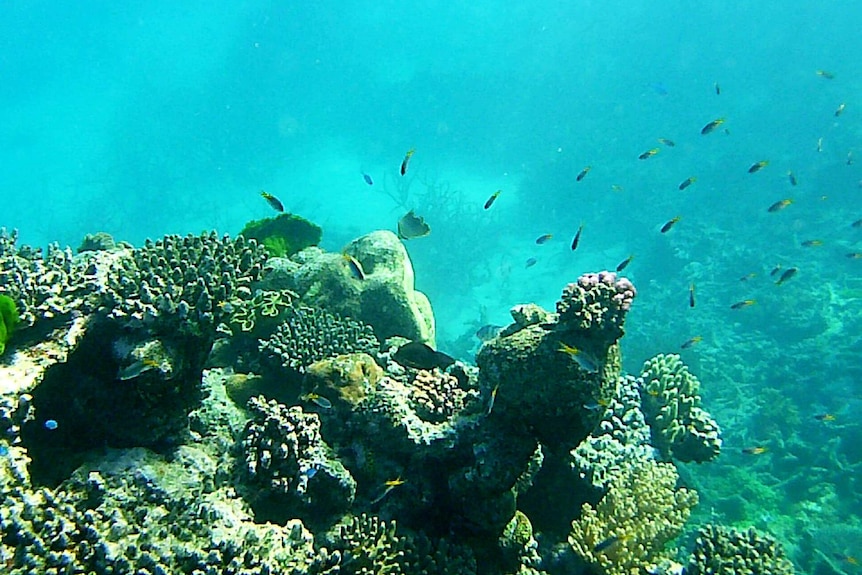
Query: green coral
column 9, row 319
column 283, row 235
column 629, row 529
column 671, row 404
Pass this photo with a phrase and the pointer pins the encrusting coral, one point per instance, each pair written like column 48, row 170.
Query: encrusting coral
column 671, row 403
column 629, row 529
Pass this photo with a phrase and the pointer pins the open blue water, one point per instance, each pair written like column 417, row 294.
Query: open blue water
column 166, row 117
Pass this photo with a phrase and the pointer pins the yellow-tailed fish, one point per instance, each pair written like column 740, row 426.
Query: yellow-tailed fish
column 743, row 304
column 819, row 144
column 492, row 199
column 544, row 238
column 775, row 270
column 812, row 243
column 748, row 276
column 717, row 89
column 757, row 166
column 625, row 263
column 779, row 205
column 388, row 487
column 406, row 160
column 788, row 273
column 492, row 400
column 530, row 262
column 710, row 127
column 755, row 450
column 586, row 361
column 825, row 74
column 273, row 202
column 849, row 158
column 667, row 142
column 411, row 226
column 616, row 188
column 856, row 224
column 670, row 223
column 839, row 110
column 792, row 177
column 354, row 267
column 692, row 342
column 577, row 238
column 649, row 153
column 691, row 295
column 137, row 368
column 317, row 400
column 825, row 417
column 687, row 182
column 367, row 179
column 583, row 173
column 853, row 256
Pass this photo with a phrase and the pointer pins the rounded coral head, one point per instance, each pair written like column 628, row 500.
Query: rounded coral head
column 597, row 302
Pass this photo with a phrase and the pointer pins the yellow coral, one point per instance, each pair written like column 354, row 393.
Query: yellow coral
column 642, row 511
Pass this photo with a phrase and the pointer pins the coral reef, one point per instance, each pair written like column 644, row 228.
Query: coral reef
column 309, row 334
column 671, row 403
column 621, row 437
column 631, row 526
column 46, row 286
column 369, row 545
column 726, row 551
column 598, row 303
column 385, row 299
column 100, row 241
column 436, row 396
column 283, row 452
column 183, row 281
column 136, row 437
column 283, row 235
column 533, row 378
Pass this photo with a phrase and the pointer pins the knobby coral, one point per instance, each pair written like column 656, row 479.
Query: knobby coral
column 671, row 403
column 631, row 526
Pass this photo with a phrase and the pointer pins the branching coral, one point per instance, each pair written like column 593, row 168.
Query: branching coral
column 631, row 526
column 311, row 334
column 671, row 403
column 370, row 546
column 621, row 437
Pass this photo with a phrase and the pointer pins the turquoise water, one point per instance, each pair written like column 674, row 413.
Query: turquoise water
column 142, row 121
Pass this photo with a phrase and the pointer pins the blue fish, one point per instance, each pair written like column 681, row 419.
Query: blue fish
column 51, row 424
column 659, row 88
column 367, row 179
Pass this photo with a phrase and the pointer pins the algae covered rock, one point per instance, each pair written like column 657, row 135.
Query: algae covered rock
column 384, row 298
column 283, row 235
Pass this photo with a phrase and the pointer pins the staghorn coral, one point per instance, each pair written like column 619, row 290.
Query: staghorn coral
column 726, row 551
column 311, row 334
column 598, row 303
column 621, row 437
column 284, row 452
column 643, row 510
column 370, row 546
column 671, row 403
